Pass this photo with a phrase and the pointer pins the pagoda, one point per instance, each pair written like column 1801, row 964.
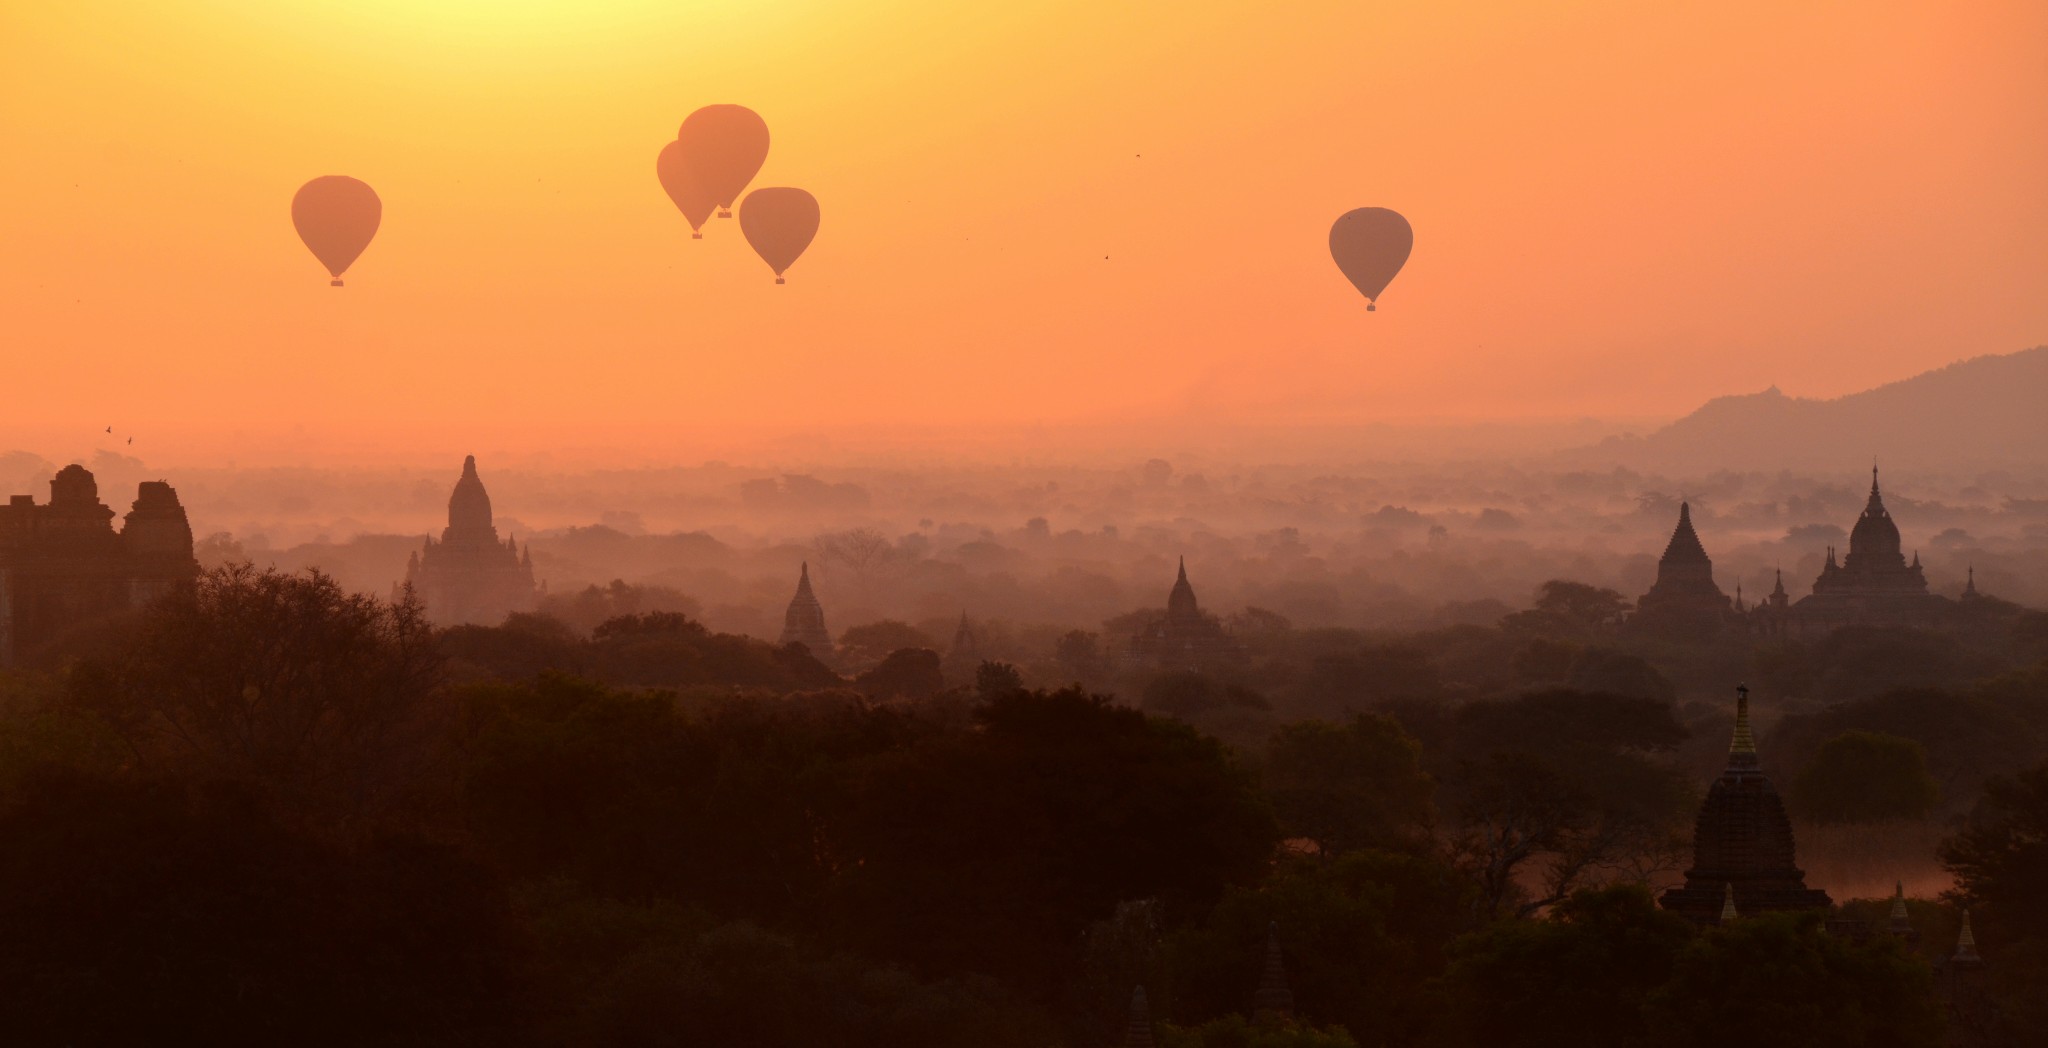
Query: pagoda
column 1742, row 859
column 1873, row 584
column 1186, row 637
column 804, row 622
column 470, row 576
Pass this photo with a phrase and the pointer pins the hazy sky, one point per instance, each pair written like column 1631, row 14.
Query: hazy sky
column 1620, row 209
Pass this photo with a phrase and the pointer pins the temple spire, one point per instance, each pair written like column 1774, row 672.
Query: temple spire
column 1728, row 912
column 1966, row 942
column 1901, row 921
column 1742, row 747
column 1274, row 997
column 1139, row 1033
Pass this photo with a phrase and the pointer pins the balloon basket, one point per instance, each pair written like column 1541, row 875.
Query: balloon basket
column 722, row 213
column 334, row 283
column 696, row 236
column 1370, row 308
column 779, row 280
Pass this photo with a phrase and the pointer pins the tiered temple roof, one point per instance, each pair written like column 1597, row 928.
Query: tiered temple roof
column 470, row 575
column 1684, row 601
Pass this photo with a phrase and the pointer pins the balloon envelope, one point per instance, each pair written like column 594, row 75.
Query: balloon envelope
column 336, row 216
column 1370, row 245
column 724, row 147
column 689, row 194
column 779, row 222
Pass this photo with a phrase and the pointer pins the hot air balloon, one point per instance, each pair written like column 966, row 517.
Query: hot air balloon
column 1370, row 245
column 692, row 199
column 724, row 147
column 779, row 222
column 336, row 216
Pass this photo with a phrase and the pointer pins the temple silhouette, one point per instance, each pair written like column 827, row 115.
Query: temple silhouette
column 469, row 577
column 1684, row 599
column 1873, row 585
column 1186, row 637
column 804, row 622
column 63, row 564
column 1743, row 854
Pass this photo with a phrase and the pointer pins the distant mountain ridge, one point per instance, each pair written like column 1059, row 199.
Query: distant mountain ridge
column 1985, row 412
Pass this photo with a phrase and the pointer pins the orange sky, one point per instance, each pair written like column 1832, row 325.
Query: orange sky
column 1620, row 209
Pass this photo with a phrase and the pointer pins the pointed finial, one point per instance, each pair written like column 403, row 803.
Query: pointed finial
column 1728, row 902
column 1183, row 568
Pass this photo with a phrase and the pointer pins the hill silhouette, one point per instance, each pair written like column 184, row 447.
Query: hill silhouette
column 1985, row 412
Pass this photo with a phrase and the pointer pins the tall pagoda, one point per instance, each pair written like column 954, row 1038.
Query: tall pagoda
column 804, row 622
column 1742, row 853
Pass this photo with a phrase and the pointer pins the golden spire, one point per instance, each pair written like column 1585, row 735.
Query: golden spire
column 1728, row 903
column 1742, row 748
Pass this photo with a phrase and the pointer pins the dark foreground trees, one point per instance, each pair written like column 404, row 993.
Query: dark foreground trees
column 268, row 817
column 1610, row 968
column 174, row 911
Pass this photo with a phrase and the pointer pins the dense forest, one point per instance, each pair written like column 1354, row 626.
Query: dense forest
column 266, row 810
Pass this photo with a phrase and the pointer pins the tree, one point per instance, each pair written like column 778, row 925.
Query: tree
column 912, row 673
column 990, row 850
column 583, row 610
column 182, row 912
column 863, row 551
column 1779, row 980
column 321, row 699
column 1079, row 654
column 1618, row 673
column 1580, row 975
column 1565, row 782
column 1865, row 776
column 1363, row 937
column 870, row 643
column 996, row 679
column 2000, row 857
column 1571, row 610
column 1235, row 1031
column 1351, row 786
column 662, row 975
column 1341, row 684
column 2000, row 862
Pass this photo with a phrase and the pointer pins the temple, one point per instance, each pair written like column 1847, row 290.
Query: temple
column 470, row 577
column 804, row 622
column 1742, row 843
column 1684, row 601
column 63, row 564
column 1186, row 637
column 1873, row 585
